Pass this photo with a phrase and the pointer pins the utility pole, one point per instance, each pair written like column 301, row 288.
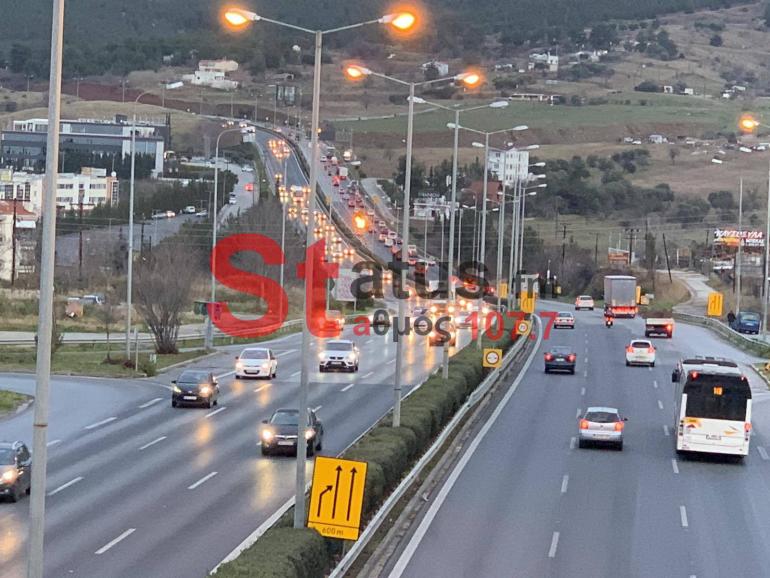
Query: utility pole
column 740, row 251
column 563, row 250
column 668, row 265
column 80, row 239
column 765, row 281
column 596, row 251
column 141, row 241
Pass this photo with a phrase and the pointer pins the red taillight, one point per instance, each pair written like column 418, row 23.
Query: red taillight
column 548, row 357
column 630, row 349
column 583, row 424
column 570, row 357
column 618, row 426
column 651, row 350
column 747, row 426
column 669, row 327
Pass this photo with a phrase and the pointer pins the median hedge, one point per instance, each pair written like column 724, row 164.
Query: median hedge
column 283, row 552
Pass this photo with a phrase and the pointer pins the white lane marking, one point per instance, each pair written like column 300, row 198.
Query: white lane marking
column 221, row 375
column 261, row 387
column 649, row 367
column 585, row 373
column 151, row 402
column 391, row 361
column 371, row 373
column 665, row 430
column 152, row 443
column 554, row 545
column 572, row 442
column 109, row 545
column 295, row 374
column 203, row 480
column 655, row 384
column 287, row 352
column 347, row 387
column 683, row 517
column 215, row 412
column 368, row 341
column 577, row 413
column 100, row 423
column 586, row 360
column 675, row 466
column 317, row 408
column 762, row 452
column 65, row 486
column 564, row 482
column 660, row 404
column 582, row 391
column 52, row 443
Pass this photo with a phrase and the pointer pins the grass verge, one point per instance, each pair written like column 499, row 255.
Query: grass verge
column 10, row 401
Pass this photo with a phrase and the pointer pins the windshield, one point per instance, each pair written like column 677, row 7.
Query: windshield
column 601, row 416
column 750, row 317
column 193, row 377
column 284, row 418
column 339, row 346
column 6, row 456
column 254, row 354
column 641, row 344
column 717, row 397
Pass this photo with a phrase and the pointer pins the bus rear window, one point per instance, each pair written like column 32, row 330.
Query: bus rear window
column 728, row 406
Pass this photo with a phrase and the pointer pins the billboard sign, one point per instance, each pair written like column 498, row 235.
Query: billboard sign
column 729, row 238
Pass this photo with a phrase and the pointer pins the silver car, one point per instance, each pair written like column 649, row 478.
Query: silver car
column 338, row 354
column 256, row 362
column 601, row 425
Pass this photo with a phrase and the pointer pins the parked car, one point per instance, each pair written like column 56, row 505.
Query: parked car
column 15, row 470
column 746, row 322
column 256, row 362
column 279, row 433
column 195, row 387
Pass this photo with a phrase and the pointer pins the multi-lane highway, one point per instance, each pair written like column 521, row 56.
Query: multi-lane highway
column 528, row 502
column 137, row 488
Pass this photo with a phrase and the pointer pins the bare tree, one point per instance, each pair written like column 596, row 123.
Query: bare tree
column 163, row 285
column 673, row 152
column 106, row 313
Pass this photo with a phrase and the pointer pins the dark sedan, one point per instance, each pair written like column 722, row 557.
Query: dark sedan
column 195, row 388
column 560, row 358
column 15, row 470
column 279, row 433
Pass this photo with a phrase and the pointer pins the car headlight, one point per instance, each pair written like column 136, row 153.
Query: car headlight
column 309, row 433
column 321, row 356
column 239, row 365
column 176, row 389
column 351, row 356
column 205, row 390
column 9, row 476
column 267, row 435
column 265, row 366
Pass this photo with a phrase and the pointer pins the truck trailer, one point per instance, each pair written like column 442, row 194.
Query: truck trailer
column 620, row 295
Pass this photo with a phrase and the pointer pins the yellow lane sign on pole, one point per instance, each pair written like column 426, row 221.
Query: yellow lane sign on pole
column 528, row 301
column 336, row 497
column 714, row 304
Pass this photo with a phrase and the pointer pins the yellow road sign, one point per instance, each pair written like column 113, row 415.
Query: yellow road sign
column 528, row 301
column 492, row 357
column 638, row 294
column 336, row 497
column 503, row 290
column 522, row 327
column 714, row 304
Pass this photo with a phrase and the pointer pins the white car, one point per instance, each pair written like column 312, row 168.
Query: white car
column 564, row 319
column 338, row 354
column 256, row 362
column 189, row 210
column 640, row 352
column 584, row 302
column 601, row 425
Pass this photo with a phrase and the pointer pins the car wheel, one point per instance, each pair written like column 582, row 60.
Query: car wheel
column 264, row 450
column 546, row 370
column 275, row 374
column 208, row 403
column 652, row 364
column 320, row 446
column 619, row 446
column 216, row 401
column 14, row 496
column 173, row 403
column 572, row 371
column 581, row 443
column 29, row 489
column 321, row 369
column 310, row 450
column 238, row 376
column 627, row 363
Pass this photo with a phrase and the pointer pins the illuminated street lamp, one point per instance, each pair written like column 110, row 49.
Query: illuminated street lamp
column 470, row 79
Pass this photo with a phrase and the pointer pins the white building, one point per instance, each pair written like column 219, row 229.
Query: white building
column 213, row 73
column 17, row 244
column 92, row 187
column 544, row 61
column 441, row 67
column 509, row 165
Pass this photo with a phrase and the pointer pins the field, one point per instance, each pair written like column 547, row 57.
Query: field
column 9, row 401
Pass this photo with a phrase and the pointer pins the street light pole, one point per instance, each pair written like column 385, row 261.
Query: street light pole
column 402, row 272
column 35, row 554
column 740, row 251
column 452, row 209
column 766, row 283
column 501, row 224
column 513, row 253
column 483, row 249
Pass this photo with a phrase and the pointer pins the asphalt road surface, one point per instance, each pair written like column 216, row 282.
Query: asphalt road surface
column 137, row 488
column 529, row 503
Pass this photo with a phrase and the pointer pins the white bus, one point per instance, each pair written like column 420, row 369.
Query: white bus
column 713, row 407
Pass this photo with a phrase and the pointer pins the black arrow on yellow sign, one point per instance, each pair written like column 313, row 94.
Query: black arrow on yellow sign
column 321, row 499
column 336, row 490
column 352, row 483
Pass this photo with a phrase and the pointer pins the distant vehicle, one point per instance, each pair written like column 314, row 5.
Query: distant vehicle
column 411, row 250
column 388, row 242
column 195, row 388
column 256, row 362
column 659, row 326
column 160, row 215
column 335, row 181
column 15, row 470
column 189, row 210
column 170, row 214
column 248, row 187
column 713, row 407
column 334, row 161
column 335, row 319
column 382, row 237
column 449, row 334
column 232, row 199
column 93, row 299
column 601, row 425
column 564, row 319
column 351, row 203
column 560, row 358
column 370, row 212
column 280, row 432
column 584, row 302
column 247, row 169
column 620, row 295
column 203, row 213
column 746, row 322
column 338, row 354
column 640, row 352
column 392, row 234
column 343, row 173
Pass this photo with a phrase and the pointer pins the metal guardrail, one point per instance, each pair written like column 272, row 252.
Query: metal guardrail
column 379, row 517
column 750, row 344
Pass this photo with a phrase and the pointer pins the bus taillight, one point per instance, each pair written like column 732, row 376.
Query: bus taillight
column 681, row 427
column 746, row 431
